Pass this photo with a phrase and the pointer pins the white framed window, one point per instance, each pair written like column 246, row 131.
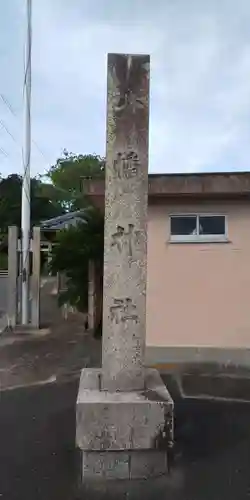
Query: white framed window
column 198, row 228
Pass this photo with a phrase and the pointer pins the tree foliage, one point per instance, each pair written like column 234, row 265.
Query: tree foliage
column 43, row 205
column 61, row 191
column 75, row 247
column 64, row 191
column 67, row 178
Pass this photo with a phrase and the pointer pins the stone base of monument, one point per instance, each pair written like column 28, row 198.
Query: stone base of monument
column 123, row 435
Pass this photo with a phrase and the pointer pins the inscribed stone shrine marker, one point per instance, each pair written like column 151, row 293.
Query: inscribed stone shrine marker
column 126, row 165
column 124, row 415
column 123, row 310
column 124, row 295
column 126, row 239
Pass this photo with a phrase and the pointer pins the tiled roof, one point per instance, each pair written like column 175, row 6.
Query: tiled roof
column 63, row 221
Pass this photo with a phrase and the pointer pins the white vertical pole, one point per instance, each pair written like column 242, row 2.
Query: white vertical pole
column 25, row 222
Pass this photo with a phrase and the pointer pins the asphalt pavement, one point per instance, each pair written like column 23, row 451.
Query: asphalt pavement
column 38, row 459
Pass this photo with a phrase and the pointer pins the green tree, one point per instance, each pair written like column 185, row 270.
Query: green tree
column 67, row 178
column 43, row 205
column 75, row 247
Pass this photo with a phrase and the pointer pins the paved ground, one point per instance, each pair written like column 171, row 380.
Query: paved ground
column 51, row 355
column 58, row 348
column 38, row 459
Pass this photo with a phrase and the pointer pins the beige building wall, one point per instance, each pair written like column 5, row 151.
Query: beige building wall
column 199, row 294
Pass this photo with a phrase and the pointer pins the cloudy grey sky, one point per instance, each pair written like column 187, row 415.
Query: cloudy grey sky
column 200, row 79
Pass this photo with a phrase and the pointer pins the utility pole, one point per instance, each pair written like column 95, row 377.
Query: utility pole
column 25, row 218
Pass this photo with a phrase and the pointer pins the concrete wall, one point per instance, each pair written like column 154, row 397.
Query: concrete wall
column 199, row 294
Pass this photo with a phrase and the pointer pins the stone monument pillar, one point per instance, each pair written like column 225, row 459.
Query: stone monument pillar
column 14, row 284
column 125, row 244
column 12, row 276
column 124, row 413
column 36, row 277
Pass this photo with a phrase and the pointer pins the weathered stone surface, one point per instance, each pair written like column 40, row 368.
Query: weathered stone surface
column 125, row 245
column 36, row 277
column 123, row 465
column 124, row 414
column 12, row 275
column 123, row 421
column 105, row 465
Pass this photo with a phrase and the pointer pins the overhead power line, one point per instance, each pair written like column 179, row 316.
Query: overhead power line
column 3, row 152
column 7, row 130
column 14, row 113
column 7, row 103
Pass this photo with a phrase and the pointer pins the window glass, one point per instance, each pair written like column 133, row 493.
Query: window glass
column 212, row 224
column 183, row 225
